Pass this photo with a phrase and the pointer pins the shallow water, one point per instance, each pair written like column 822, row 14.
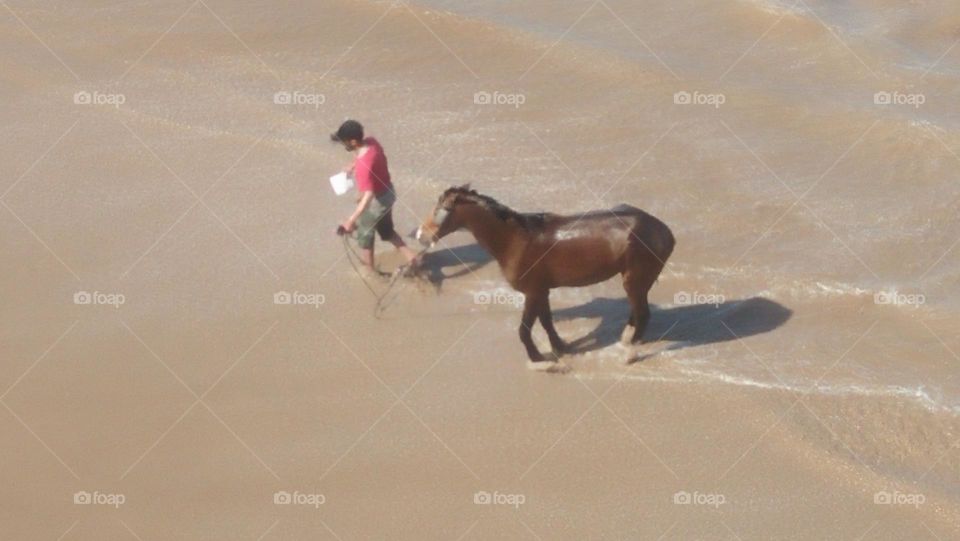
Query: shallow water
column 871, row 240
column 816, row 225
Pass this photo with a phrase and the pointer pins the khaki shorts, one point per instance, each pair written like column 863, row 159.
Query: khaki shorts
column 377, row 218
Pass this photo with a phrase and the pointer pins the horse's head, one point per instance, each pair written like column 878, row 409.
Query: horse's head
column 445, row 219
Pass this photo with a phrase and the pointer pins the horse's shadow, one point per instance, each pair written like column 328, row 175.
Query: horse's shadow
column 467, row 259
column 683, row 326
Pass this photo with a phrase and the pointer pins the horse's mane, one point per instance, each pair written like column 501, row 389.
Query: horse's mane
column 501, row 211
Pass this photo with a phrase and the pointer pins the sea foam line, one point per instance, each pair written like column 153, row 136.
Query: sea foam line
column 917, row 395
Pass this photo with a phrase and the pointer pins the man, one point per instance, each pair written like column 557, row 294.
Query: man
column 374, row 212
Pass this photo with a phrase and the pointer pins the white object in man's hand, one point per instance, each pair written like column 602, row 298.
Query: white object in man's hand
column 341, row 183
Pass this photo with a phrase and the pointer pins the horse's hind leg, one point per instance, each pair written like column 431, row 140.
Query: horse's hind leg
column 637, row 281
column 639, row 307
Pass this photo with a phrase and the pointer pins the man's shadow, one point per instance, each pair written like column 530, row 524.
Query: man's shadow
column 682, row 326
column 465, row 259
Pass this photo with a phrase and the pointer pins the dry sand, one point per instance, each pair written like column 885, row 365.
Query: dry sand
column 788, row 398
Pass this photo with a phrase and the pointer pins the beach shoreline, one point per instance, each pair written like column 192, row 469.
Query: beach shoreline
column 182, row 331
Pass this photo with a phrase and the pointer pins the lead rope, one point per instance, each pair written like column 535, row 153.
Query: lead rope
column 380, row 306
column 384, row 301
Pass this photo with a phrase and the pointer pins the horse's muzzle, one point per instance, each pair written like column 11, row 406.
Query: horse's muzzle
column 425, row 238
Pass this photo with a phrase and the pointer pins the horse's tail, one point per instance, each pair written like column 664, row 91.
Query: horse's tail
column 663, row 243
column 669, row 241
column 655, row 234
column 657, row 238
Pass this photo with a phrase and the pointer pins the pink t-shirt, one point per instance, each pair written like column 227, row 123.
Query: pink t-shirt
column 370, row 168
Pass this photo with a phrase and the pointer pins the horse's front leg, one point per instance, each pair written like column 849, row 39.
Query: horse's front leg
column 531, row 309
column 546, row 319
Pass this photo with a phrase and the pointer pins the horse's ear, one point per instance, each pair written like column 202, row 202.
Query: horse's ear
column 465, row 187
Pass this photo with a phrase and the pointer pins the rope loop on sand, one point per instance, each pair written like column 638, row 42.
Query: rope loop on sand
column 384, row 300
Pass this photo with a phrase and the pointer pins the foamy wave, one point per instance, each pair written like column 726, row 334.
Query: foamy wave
column 803, row 290
column 777, row 7
column 918, row 395
column 800, row 290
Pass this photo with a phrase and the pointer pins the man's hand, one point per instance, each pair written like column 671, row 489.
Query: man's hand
column 350, row 224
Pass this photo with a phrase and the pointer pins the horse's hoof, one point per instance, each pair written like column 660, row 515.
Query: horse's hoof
column 626, row 337
column 561, row 349
column 543, row 366
column 548, row 367
column 644, row 351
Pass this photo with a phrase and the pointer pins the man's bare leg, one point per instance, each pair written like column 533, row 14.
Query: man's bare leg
column 367, row 269
column 409, row 254
column 366, row 257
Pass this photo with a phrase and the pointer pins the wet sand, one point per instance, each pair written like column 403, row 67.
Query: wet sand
column 784, row 400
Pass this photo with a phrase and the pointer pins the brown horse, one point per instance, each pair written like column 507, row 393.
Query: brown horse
column 538, row 252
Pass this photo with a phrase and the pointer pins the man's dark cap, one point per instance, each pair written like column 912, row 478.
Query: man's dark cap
column 351, row 129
